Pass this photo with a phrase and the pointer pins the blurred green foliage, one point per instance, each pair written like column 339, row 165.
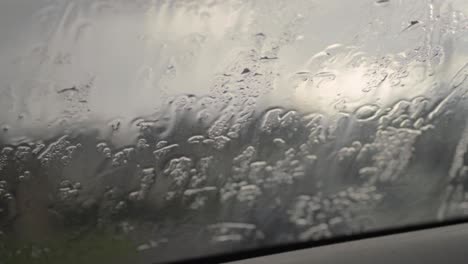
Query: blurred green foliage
column 92, row 248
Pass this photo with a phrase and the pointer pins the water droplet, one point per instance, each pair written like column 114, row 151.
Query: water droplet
column 366, row 112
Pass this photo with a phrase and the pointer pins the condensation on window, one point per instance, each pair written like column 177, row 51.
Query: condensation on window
column 151, row 131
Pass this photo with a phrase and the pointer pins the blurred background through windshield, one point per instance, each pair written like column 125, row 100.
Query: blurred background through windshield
column 147, row 131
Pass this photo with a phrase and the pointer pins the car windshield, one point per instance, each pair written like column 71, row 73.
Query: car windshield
column 150, row 131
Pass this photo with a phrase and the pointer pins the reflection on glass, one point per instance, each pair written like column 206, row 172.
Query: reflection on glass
column 149, row 131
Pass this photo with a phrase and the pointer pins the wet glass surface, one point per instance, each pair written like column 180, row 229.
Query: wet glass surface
column 151, row 131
